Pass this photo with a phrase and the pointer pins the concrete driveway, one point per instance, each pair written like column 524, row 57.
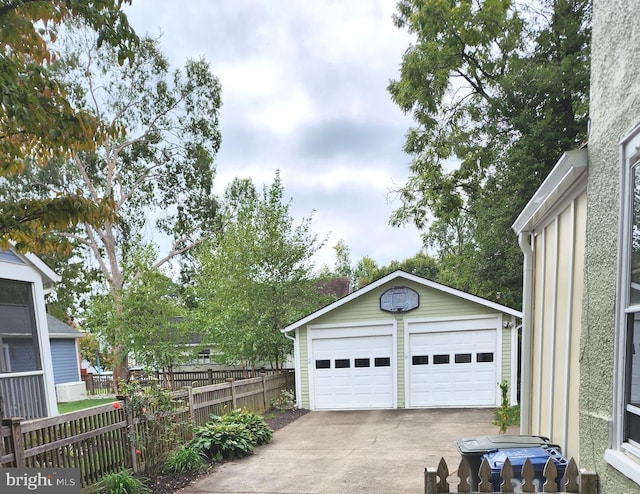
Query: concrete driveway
column 371, row 451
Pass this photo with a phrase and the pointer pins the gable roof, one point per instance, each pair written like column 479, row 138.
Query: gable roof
column 409, row 277
column 46, row 273
column 59, row 329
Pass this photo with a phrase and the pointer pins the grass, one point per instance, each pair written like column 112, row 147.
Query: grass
column 73, row 406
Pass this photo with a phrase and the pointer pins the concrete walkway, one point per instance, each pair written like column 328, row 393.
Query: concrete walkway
column 373, row 451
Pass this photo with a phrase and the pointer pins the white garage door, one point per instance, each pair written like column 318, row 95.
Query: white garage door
column 352, row 373
column 452, row 368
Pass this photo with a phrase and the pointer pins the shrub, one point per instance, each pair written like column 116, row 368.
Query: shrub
column 233, row 435
column 220, row 440
column 286, row 400
column 253, row 422
column 123, row 483
column 506, row 415
column 184, row 460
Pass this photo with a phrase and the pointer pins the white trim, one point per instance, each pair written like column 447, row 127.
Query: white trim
column 570, row 168
column 388, row 327
column 298, row 369
column 36, row 262
column 552, row 337
column 624, row 463
column 405, row 276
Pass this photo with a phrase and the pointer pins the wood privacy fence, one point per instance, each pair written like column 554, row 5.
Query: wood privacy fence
column 109, row 438
column 573, row 480
column 98, row 384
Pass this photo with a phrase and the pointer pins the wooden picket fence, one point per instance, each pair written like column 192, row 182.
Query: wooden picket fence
column 106, row 439
column 573, row 480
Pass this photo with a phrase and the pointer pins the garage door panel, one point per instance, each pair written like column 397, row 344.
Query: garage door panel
column 365, row 379
column 458, row 368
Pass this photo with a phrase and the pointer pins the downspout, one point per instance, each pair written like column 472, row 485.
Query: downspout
column 524, row 239
column 296, row 360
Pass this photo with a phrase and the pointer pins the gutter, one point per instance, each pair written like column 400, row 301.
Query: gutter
column 297, row 365
column 524, row 239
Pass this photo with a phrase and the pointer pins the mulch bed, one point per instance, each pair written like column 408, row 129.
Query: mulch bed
column 174, row 482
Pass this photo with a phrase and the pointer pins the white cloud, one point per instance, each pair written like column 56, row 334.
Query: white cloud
column 304, row 92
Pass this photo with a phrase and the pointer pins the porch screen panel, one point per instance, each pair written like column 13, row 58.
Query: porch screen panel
column 19, row 349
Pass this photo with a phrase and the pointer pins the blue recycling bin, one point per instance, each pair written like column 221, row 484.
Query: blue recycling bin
column 474, row 448
column 538, row 456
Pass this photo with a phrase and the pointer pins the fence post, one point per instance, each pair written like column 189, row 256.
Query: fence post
column 210, row 376
column 588, row 482
column 430, row 481
column 16, row 439
column 265, row 397
column 131, row 430
column 232, row 381
column 192, row 415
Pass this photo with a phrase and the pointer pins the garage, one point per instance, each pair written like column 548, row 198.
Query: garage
column 404, row 341
column 450, row 367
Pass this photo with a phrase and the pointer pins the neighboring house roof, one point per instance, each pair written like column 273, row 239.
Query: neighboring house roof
column 60, row 330
column 339, row 287
column 570, row 168
column 406, row 276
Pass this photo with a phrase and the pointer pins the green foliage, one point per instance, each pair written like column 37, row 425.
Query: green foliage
column 123, row 483
column 256, row 278
column 231, row 436
column 37, row 118
column 286, row 400
column 420, row 265
column 498, row 91
column 506, row 415
column 158, row 429
column 183, row 460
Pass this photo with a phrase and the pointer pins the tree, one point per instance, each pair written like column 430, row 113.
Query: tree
column 421, row 265
column 500, row 89
column 257, row 278
column 155, row 165
column 37, row 119
column 146, row 316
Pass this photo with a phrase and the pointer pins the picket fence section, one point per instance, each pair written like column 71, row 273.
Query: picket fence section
column 106, row 439
column 573, row 480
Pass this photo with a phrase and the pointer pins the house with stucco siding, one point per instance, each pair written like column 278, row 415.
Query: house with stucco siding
column 580, row 236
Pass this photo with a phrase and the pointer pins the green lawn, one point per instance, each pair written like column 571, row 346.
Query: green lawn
column 72, row 406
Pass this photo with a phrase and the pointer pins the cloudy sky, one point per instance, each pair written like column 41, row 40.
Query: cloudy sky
column 304, row 92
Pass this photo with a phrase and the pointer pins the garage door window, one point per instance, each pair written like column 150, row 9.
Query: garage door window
column 463, row 358
column 343, row 363
column 440, row 359
column 323, row 364
column 420, row 360
column 362, row 362
column 382, row 362
column 484, row 357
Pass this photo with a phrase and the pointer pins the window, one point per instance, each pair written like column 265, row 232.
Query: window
column 463, row 358
column 484, row 357
column 631, row 334
column 420, row 359
column 382, row 362
column 441, row 359
column 361, row 362
column 342, row 363
column 323, row 364
column 627, row 377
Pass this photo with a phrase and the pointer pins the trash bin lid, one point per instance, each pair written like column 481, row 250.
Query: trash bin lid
column 537, row 455
column 484, row 444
